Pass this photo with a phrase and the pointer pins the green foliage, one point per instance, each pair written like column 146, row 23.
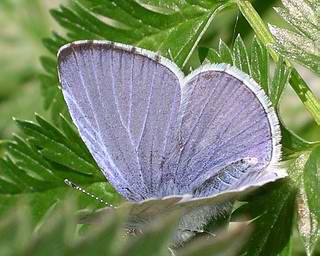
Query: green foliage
column 302, row 43
column 58, row 236
column 272, row 211
column 308, row 202
column 36, row 163
column 308, row 98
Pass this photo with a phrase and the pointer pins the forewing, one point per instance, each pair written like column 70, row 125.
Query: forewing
column 124, row 102
column 226, row 118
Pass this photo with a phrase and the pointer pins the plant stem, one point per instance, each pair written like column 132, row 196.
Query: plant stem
column 310, row 101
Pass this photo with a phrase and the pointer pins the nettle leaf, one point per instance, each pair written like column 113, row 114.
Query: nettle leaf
column 302, row 43
column 241, row 58
column 38, row 164
column 308, row 98
column 272, row 211
column 280, row 79
column 308, row 201
column 52, row 95
column 293, row 145
column 162, row 6
column 260, row 64
column 171, row 28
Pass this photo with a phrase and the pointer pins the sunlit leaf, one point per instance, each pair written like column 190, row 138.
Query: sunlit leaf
column 280, row 79
column 260, row 64
column 309, row 202
column 301, row 43
column 308, row 98
column 241, row 58
column 225, row 53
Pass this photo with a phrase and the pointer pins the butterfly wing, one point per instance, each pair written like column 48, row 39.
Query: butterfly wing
column 124, row 102
column 226, row 121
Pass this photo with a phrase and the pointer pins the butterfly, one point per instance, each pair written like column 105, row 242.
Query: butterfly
column 161, row 136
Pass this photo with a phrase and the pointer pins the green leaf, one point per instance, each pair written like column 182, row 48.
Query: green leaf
column 280, row 79
column 15, row 230
column 59, row 235
column 162, row 6
column 212, row 56
column 203, row 53
column 53, row 145
column 292, row 144
column 241, row 58
column 225, row 53
column 272, row 211
column 39, row 163
column 308, row 202
column 180, row 31
column 100, row 238
column 56, row 233
column 311, row 177
column 302, row 43
column 287, row 250
column 310, row 101
column 260, row 64
column 52, row 95
column 304, row 173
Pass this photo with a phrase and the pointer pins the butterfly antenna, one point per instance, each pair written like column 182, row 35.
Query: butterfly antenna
column 77, row 187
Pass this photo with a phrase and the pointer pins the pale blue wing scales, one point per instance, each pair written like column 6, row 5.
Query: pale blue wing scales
column 81, row 80
column 125, row 106
column 150, row 108
column 155, row 140
column 223, row 120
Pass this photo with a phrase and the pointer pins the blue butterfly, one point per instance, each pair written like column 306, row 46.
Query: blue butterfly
column 156, row 133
